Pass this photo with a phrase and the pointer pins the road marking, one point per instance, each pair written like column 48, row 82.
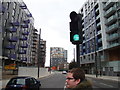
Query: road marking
column 106, row 85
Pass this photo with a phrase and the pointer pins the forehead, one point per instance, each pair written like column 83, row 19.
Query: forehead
column 69, row 74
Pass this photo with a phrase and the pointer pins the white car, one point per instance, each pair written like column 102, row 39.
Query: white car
column 64, row 72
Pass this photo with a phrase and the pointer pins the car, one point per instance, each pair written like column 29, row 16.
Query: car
column 23, row 83
column 64, row 72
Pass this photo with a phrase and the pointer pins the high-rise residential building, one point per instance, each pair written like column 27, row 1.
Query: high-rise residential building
column 42, row 57
column 18, row 34
column 100, row 50
column 58, row 56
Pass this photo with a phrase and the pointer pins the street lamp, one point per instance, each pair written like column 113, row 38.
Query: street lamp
column 96, row 71
column 39, row 52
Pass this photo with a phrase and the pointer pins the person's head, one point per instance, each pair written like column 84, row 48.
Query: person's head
column 74, row 77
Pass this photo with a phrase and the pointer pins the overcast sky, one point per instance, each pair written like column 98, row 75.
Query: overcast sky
column 52, row 16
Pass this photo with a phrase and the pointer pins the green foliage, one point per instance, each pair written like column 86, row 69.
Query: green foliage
column 73, row 64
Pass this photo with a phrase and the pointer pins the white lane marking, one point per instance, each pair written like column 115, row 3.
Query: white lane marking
column 106, row 85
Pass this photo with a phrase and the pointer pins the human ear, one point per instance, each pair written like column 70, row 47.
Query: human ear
column 77, row 81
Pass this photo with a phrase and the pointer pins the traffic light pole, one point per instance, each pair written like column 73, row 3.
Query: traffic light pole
column 78, row 54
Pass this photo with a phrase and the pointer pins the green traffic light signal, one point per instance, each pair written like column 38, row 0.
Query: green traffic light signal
column 76, row 37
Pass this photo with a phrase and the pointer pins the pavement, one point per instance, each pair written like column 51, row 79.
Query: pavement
column 113, row 78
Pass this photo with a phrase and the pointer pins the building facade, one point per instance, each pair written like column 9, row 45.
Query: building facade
column 19, row 36
column 57, row 56
column 42, row 52
column 100, row 49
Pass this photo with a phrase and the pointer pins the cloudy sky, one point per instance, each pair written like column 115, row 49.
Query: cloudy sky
column 52, row 16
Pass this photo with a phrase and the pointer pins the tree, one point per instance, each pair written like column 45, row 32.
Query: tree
column 73, row 64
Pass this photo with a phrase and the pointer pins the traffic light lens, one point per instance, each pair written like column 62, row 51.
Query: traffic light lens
column 76, row 37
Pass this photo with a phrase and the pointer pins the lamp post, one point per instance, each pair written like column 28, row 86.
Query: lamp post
column 96, row 71
column 39, row 52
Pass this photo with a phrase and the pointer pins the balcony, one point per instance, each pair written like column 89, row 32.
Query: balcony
column 112, row 28
column 15, row 23
column 27, row 21
column 22, row 52
column 12, row 56
column 24, row 46
column 111, row 19
column 23, row 59
column 25, row 33
column 25, row 26
column 13, row 39
column 12, row 29
column 23, row 38
column 23, row 6
column 113, row 45
column 110, row 11
column 10, row 47
column 108, row 5
column 29, row 15
column 113, row 37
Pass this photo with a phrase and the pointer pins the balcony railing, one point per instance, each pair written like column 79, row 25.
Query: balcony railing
column 113, row 37
column 27, row 21
column 23, row 6
column 23, row 59
column 25, row 33
column 112, row 28
column 110, row 11
column 108, row 5
column 22, row 52
column 13, row 39
column 13, row 29
column 10, row 47
column 29, row 15
column 24, row 45
column 111, row 19
column 15, row 23
column 25, row 26
column 23, row 38
column 12, row 56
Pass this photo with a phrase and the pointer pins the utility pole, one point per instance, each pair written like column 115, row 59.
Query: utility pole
column 39, row 51
column 96, row 69
column 74, row 54
column 78, row 54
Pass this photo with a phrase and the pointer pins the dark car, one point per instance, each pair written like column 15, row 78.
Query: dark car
column 23, row 83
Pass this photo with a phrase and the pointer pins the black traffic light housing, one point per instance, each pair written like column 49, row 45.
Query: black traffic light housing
column 76, row 28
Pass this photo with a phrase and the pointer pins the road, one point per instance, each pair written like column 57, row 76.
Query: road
column 57, row 80
column 104, row 84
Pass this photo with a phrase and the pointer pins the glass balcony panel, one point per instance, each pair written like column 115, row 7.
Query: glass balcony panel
column 15, row 23
column 25, row 33
column 12, row 29
column 12, row 56
column 13, row 39
column 23, row 38
column 10, row 47
column 22, row 52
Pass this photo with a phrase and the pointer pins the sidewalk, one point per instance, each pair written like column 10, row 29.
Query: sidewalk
column 114, row 78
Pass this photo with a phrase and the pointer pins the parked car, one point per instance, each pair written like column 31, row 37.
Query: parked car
column 64, row 72
column 23, row 83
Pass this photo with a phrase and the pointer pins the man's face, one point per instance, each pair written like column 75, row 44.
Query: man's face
column 70, row 81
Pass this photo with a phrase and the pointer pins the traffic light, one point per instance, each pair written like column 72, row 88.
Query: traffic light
column 76, row 28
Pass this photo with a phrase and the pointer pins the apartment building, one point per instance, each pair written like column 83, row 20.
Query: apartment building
column 42, row 52
column 17, row 34
column 100, row 50
column 57, row 56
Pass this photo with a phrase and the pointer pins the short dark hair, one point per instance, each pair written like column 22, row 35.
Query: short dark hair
column 78, row 73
